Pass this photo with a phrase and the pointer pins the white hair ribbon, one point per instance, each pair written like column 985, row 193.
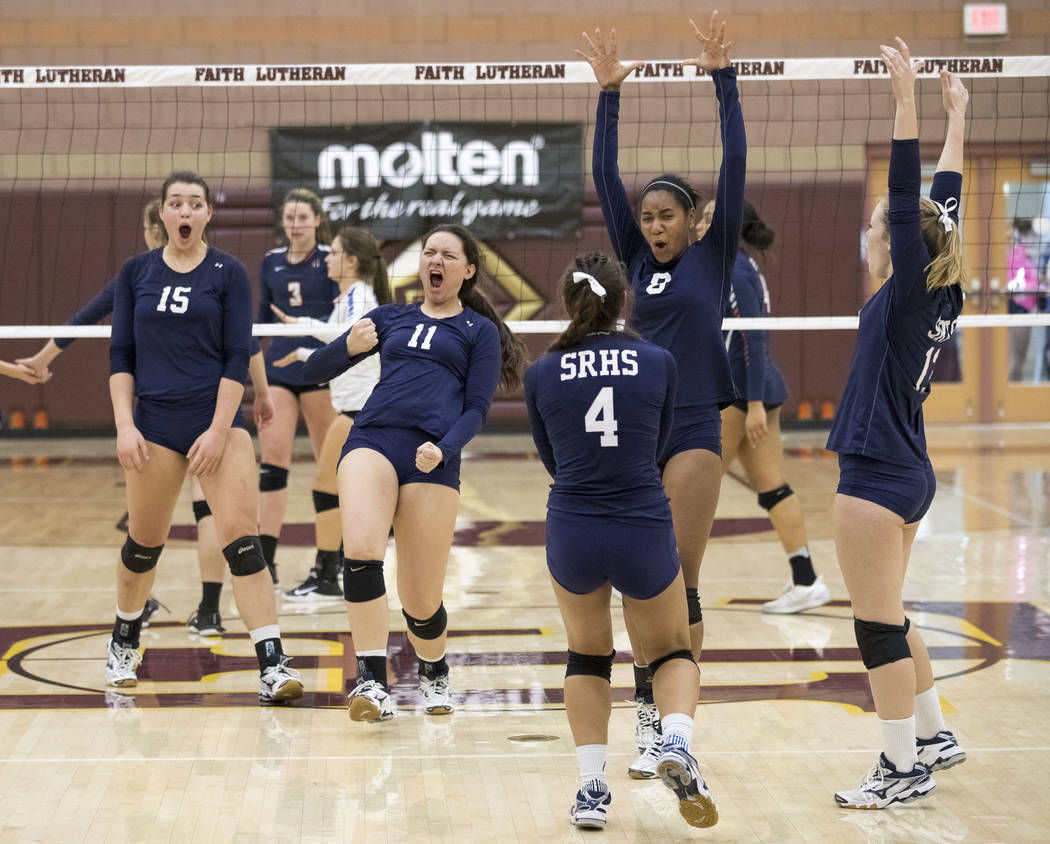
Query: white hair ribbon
column 945, row 219
column 596, row 288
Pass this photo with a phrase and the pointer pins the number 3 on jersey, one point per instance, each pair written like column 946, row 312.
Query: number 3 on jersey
column 600, row 418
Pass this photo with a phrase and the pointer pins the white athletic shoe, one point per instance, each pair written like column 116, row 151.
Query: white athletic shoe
column 369, row 701
column 681, row 773
column 437, row 695
column 279, row 683
column 884, row 785
column 644, row 767
column 940, row 752
column 121, row 664
column 588, row 812
column 798, row 598
column 646, row 725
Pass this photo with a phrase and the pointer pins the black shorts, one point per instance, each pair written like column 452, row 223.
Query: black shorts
column 905, row 490
column 694, row 427
column 398, row 445
column 176, row 426
column 298, row 389
column 585, row 553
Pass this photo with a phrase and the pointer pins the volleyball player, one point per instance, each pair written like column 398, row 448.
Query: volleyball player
column 357, row 267
column 751, row 425
column 440, row 366
column 180, row 343
column 680, row 290
column 293, row 277
column 886, row 482
column 601, row 405
column 206, row 620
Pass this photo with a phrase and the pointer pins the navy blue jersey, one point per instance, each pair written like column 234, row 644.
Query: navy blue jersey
column 902, row 329
column 438, row 375
column 679, row 305
column 101, row 307
column 180, row 333
column 754, row 372
column 302, row 289
column 600, row 414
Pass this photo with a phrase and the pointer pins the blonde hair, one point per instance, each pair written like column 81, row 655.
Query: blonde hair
column 947, row 265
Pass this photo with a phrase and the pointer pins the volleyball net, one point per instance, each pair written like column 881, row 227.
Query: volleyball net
column 504, row 148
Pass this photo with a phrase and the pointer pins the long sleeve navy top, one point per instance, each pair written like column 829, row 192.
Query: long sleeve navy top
column 600, row 413
column 679, row 304
column 179, row 334
column 437, row 375
column 753, row 369
column 902, row 329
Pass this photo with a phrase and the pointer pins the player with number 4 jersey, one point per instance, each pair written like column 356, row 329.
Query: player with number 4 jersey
column 601, row 405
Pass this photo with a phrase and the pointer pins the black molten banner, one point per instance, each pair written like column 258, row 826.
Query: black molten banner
column 502, row 180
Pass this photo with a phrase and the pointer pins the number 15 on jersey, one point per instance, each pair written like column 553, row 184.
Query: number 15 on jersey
column 601, row 419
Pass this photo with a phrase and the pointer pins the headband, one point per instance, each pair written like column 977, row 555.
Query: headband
column 678, row 188
column 596, row 288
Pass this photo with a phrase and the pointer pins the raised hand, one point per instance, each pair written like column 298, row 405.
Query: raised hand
column 902, row 69
column 362, row 337
column 954, row 95
column 714, row 49
column 608, row 69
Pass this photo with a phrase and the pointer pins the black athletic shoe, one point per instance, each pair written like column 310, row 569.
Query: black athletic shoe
column 206, row 624
column 152, row 605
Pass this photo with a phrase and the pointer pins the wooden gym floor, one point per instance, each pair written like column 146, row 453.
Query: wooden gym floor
column 786, row 718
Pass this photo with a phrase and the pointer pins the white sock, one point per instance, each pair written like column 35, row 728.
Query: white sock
column 261, row 634
column 591, row 758
column 677, row 730
column 801, row 552
column 928, row 717
column 128, row 616
column 898, row 737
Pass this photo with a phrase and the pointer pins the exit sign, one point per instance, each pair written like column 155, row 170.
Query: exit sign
column 984, row 19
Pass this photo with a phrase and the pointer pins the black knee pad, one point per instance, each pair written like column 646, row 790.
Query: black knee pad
column 363, row 580
column 272, row 478
column 245, row 556
column 139, row 558
column 692, row 601
column 590, row 665
column 656, row 663
column 201, row 510
column 432, row 627
column 881, row 644
column 325, row 501
column 768, row 500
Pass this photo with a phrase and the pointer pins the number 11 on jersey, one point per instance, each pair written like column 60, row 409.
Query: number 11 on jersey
column 600, row 418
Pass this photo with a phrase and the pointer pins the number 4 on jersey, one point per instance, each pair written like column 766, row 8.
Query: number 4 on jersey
column 599, row 418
